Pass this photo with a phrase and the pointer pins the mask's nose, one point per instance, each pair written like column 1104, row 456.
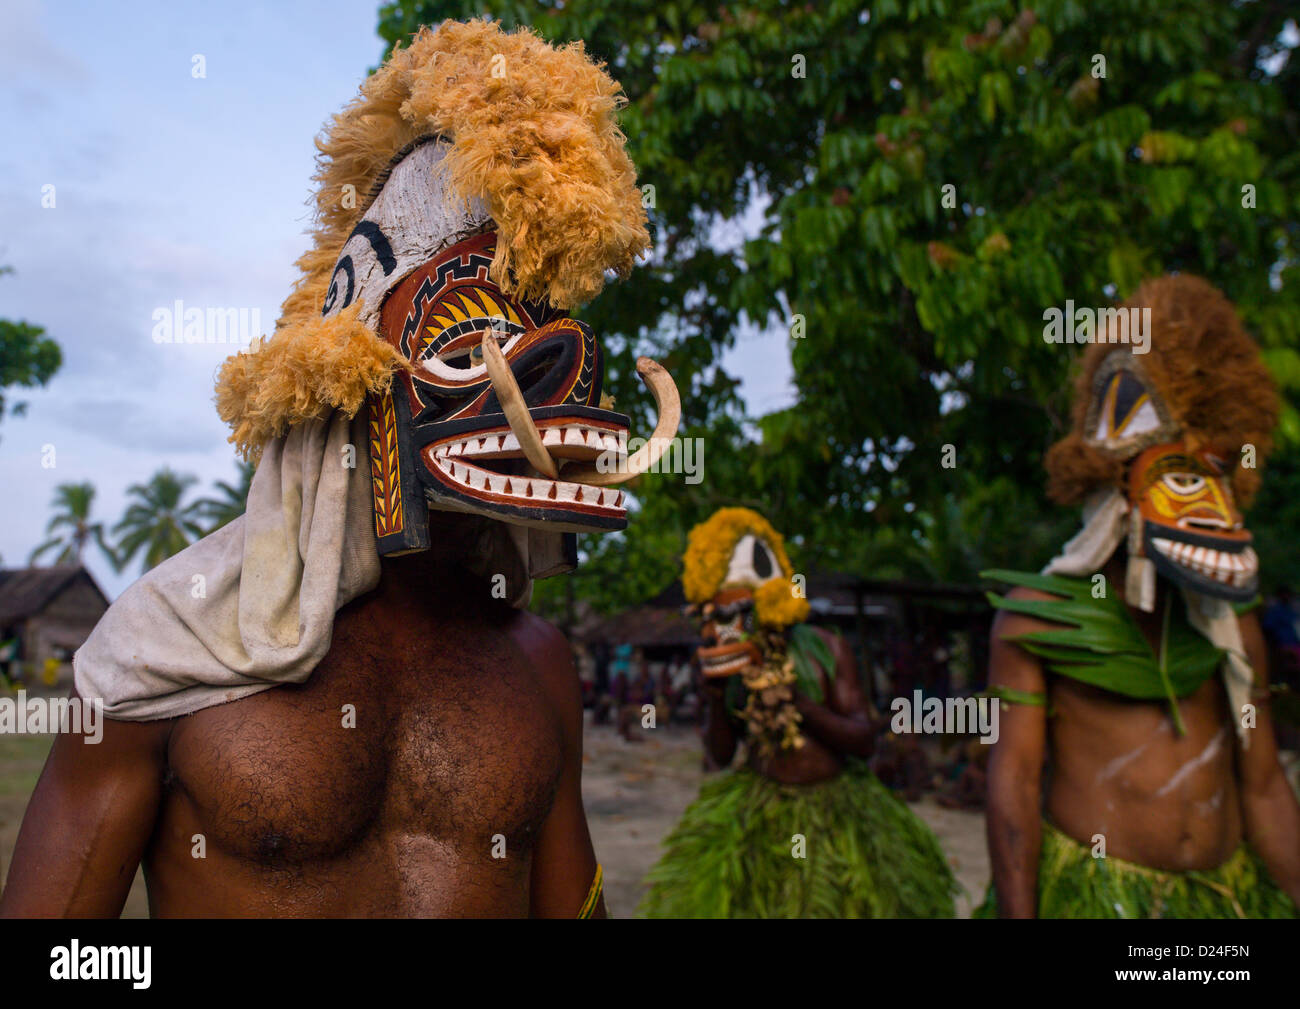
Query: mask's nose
column 1208, row 519
column 1214, row 513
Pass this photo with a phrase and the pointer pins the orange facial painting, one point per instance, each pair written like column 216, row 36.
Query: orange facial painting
column 1191, row 526
column 1185, row 489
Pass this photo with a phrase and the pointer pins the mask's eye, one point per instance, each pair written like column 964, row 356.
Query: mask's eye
column 342, row 286
column 451, row 348
column 364, row 268
column 752, row 562
column 1184, row 483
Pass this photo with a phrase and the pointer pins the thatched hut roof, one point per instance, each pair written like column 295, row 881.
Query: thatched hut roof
column 25, row 592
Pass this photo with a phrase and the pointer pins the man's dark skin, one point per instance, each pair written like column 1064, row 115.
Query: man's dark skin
column 468, row 730
column 1118, row 768
column 841, row 727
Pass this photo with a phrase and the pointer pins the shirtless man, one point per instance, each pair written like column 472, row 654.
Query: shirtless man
column 1163, row 795
column 1118, row 769
column 792, row 694
column 458, row 792
column 355, row 716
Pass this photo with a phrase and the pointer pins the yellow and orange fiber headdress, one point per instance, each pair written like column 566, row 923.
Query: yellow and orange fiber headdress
column 532, row 135
column 708, row 558
column 1205, row 379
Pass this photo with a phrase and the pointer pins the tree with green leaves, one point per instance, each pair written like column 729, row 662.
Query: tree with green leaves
column 71, row 528
column 156, row 524
column 914, row 184
column 28, row 358
column 230, row 501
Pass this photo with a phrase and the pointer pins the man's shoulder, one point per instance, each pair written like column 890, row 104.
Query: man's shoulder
column 543, row 641
column 1008, row 623
column 549, row 653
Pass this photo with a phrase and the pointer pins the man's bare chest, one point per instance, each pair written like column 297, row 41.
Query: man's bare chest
column 1134, row 746
column 458, row 751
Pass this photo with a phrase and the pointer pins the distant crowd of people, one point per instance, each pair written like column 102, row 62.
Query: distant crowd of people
column 618, row 683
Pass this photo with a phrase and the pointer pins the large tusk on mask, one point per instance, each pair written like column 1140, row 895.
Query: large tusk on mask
column 515, row 409
column 669, row 405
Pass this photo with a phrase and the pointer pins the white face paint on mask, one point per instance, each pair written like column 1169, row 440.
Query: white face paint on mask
column 414, row 217
column 752, row 562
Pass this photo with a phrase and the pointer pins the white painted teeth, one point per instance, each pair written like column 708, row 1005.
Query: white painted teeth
column 1232, row 569
column 529, row 489
column 507, row 442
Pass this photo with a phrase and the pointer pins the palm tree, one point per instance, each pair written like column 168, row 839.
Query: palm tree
column 72, row 504
column 231, row 501
column 155, row 521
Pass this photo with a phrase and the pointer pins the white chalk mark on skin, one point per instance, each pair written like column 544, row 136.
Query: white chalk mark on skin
column 1209, row 753
column 1210, row 805
column 1113, row 767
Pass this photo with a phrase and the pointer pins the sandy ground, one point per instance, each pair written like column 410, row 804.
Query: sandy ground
column 634, row 795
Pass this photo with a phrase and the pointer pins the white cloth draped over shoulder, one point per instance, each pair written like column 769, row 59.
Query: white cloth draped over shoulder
column 252, row 605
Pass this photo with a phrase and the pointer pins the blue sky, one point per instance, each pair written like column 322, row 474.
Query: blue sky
column 166, row 187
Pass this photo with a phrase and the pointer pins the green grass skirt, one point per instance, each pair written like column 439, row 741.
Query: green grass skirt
column 1073, row 884
column 732, row 854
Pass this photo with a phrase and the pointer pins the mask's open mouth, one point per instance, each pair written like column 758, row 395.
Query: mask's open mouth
column 1227, row 568
column 555, row 466
column 729, row 621
column 724, row 660
column 485, row 461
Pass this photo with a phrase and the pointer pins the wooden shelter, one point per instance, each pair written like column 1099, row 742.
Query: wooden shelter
column 46, row 614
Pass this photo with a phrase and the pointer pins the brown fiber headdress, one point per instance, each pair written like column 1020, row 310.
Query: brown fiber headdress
column 1202, row 377
column 532, row 135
